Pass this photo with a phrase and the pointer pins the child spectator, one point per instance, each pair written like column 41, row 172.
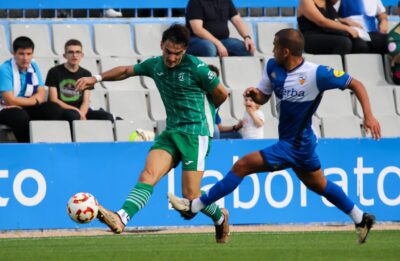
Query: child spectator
column 253, row 120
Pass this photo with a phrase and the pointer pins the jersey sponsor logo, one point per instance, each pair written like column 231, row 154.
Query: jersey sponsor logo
column 338, row 73
column 211, row 75
column 302, row 79
column 189, row 162
column 289, row 93
column 160, row 73
column 181, row 77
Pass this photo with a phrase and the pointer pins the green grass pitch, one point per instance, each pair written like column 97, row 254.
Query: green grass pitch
column 381, row 245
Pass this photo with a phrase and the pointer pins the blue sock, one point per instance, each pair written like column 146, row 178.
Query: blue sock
column 221, row 188
column 337, row 197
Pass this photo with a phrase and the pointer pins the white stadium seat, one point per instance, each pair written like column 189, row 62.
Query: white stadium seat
column 241, row 72
column 157, row 110
column 92, row 131
column 332, row 60
column 50, row 131
column 113, row 40
column 64, row 32
column 266, row 33
column 4, row 50
column 131, row 83
column 148, row 38
column 38, row 33
column 341, row 127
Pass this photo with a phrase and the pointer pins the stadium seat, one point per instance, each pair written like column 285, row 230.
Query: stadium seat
column 4, row 51
column 113, row 40
column 128, row 105
column 397, row 99
column 390, row 126
column 335, row 103
column 225, row 112
column 64, row 32
column 90, row 64
column 147, row 82
column 316, row 124
column 266, row 33
column 92, row 131
column 241, row 72
column 341, row 127
column 40, row 35
column 332, row 60
column 148, row 38
column 157, row 110
column 382, row 102
column 98, row 99
column 271, row 127
column 124, row 129
column 132, row 83
column 50, row 131
column 367, row 68
column 45, row 64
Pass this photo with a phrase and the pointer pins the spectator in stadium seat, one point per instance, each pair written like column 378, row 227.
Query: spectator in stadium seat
column 61, row 81
column 324, row 32
column 365, row 13
column 22, row 92
column 190, row 93
column 296, row 148
column 208, row 24
column 394, row 52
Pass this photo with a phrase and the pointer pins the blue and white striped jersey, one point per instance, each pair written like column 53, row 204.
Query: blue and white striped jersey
column 298, row 93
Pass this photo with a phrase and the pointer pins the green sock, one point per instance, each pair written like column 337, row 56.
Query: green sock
column 212, row 211
column 137, row 198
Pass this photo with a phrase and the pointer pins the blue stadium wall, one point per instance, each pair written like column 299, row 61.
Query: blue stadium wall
column 36, row 181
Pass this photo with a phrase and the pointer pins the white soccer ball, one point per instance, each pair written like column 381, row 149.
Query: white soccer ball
column 82, row 207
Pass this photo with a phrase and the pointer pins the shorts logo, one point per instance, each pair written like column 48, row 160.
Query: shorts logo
column 338, row 73
column 160, row 73
column 188, row 162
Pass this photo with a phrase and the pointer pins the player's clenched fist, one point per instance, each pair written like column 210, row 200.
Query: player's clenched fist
column 85, row 83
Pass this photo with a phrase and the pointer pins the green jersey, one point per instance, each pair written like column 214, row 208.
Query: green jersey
column 183, row 90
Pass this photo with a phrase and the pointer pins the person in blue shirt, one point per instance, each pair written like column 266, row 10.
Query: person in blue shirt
column 298, row 86
column 22, row 92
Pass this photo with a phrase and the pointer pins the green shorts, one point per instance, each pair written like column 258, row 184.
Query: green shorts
column 191, row 149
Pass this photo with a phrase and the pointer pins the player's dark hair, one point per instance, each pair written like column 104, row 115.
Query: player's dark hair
column 177, row 34
column 291, row 39
column 73, row 42
column 23, row 42
column 214, row 69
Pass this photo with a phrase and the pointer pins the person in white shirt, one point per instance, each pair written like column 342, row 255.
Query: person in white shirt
column 371, row 16
column 253, row 120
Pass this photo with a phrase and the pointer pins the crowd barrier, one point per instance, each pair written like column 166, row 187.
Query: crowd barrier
column 36, row 181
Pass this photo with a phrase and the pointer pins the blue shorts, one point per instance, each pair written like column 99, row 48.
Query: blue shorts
column 284, row 155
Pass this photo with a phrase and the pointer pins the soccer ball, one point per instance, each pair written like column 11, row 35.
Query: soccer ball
column 82, row 207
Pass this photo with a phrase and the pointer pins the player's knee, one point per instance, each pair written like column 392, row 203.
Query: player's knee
column 148, row 177
column 240, row 168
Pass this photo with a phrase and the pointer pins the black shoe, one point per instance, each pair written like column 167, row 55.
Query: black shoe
column 363, row 228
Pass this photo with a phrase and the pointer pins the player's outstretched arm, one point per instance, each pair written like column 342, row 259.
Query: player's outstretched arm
column 116, row 74
column 370, row 123
column 258, row 96
column 219, row 95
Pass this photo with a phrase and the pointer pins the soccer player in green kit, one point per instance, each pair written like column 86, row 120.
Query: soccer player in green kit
column 190, row 93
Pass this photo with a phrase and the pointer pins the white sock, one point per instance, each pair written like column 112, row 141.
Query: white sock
column 124, row 216
column 197, row 205
column 220, row 220
column 356, row 214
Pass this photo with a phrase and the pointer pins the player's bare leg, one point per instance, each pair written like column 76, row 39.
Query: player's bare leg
column 158, row 163
column 317, row 182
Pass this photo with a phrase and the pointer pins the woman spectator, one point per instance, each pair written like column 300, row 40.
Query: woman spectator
column 324, row 32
